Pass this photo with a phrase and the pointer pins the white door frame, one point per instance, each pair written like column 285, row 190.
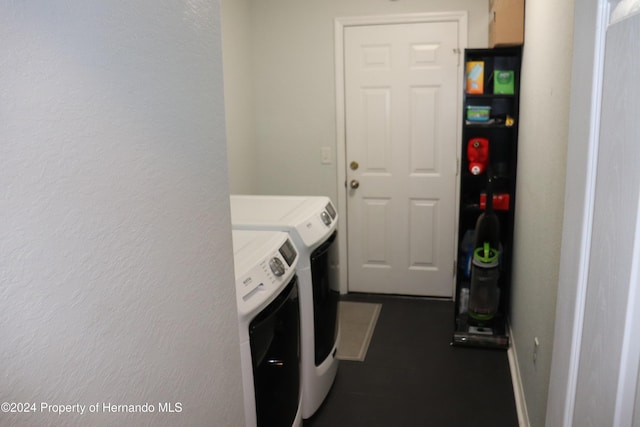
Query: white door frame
column 339, row 26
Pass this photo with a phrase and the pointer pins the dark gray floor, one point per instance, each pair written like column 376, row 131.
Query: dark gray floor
column 412, row 377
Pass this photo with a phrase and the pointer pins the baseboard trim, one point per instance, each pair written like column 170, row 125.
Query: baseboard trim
column 516, row 379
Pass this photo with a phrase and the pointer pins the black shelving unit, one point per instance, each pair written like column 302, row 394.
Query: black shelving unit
column 501, row 131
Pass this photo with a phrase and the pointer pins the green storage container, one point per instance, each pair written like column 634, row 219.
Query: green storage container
column 503, row 82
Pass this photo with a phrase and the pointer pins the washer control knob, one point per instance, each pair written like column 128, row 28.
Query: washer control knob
column 325, row 218
column 277, row 267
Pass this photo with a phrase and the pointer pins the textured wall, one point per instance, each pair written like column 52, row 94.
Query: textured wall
column 609, row 353
column 544, row 113
column 116, row 272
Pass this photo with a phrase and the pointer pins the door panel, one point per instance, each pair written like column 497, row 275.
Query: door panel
column 377, row 127
column 423, row 139
column 422, row 219
column 401, row 96
column 376, row 212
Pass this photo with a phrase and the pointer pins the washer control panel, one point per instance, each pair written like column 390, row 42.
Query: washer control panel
column 265, row 263
column 277, row 267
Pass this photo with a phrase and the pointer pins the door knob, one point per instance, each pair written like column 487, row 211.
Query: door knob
column 354, row 184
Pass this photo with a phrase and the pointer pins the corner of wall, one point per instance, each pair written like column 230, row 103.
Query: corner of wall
column 542, row 148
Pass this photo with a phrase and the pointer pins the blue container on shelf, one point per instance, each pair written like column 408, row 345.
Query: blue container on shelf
column 478, row 113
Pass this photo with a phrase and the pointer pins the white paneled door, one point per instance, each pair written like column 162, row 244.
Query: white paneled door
column 401, row 90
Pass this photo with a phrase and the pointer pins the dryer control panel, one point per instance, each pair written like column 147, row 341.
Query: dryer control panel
column 318, row 225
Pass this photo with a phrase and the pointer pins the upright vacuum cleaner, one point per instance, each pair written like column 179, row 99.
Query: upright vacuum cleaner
column 484, row 294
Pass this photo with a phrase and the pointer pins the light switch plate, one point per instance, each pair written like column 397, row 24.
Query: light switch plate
column 326, row 155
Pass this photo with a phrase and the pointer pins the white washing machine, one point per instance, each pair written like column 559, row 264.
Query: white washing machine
column 267, row 296
column 311, row 223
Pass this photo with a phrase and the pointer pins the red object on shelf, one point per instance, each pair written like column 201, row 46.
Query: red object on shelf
column 500, row 201
column 478, row 155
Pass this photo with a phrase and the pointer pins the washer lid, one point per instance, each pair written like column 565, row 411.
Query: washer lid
column 266, row 209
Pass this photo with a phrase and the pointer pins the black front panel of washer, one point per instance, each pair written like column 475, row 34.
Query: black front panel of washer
column 274, row 337
column 325, row 301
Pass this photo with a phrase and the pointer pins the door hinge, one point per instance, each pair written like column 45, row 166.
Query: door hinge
column 457, row 167
column 454, row 268
column 457, row 51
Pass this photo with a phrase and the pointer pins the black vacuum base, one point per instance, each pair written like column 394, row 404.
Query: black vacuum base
column 487, row 334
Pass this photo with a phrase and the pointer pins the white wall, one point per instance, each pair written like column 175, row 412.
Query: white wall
column 544, row 113
column 238, row 87
column 116, row 265
column 294, row 88
column 580, row 176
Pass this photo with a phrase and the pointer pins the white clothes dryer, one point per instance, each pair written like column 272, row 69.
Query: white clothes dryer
column 267, row 297
column 311, row 223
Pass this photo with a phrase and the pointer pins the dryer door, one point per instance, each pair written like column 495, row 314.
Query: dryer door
column 325, row 301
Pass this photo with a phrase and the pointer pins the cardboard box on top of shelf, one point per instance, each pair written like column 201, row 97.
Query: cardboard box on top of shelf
column 506, row 27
